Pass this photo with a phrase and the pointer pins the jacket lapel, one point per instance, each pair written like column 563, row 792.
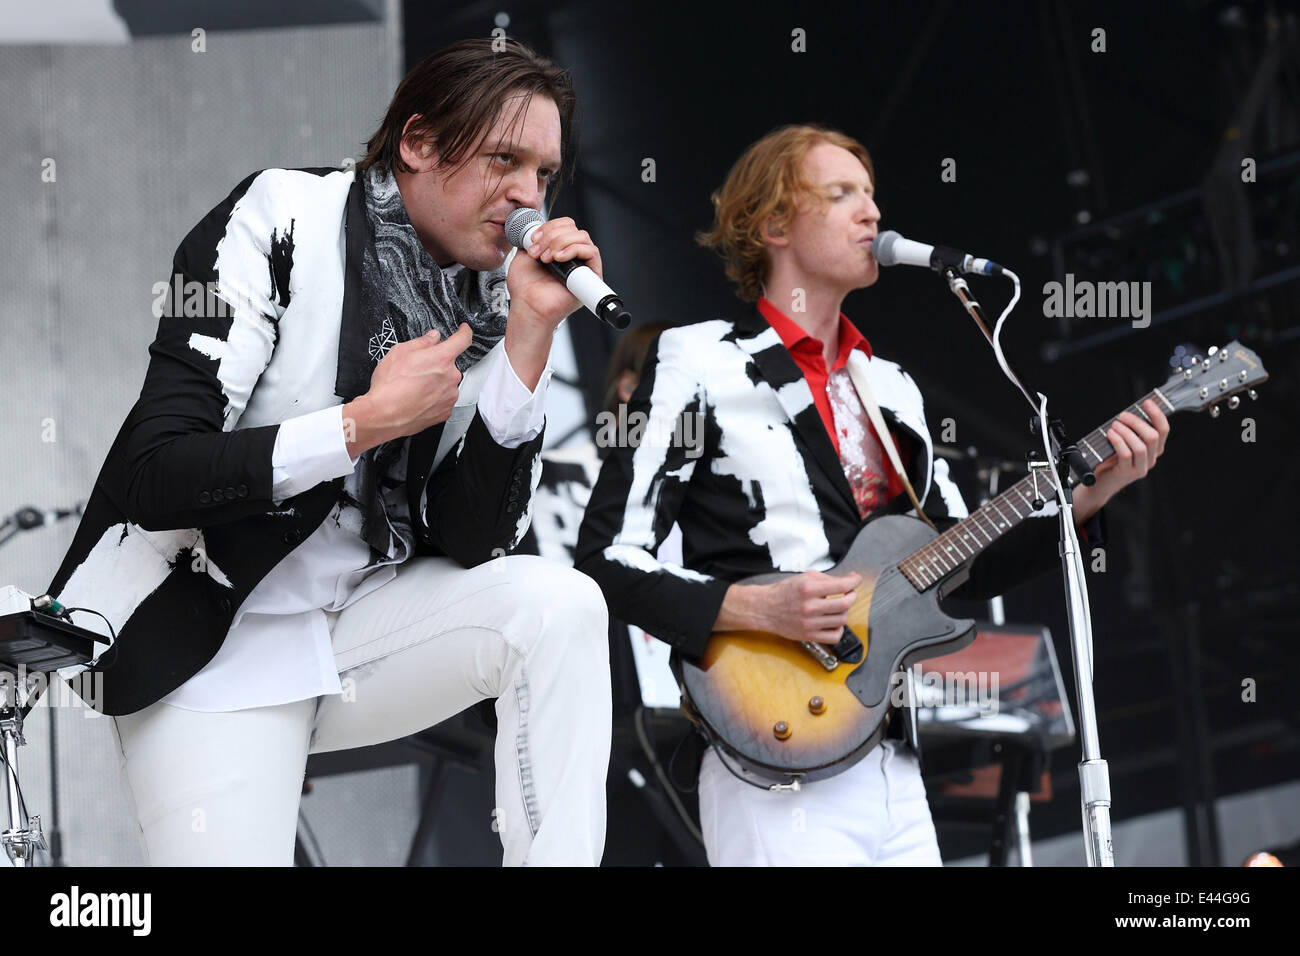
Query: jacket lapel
column 352, row 331
column 771, row 361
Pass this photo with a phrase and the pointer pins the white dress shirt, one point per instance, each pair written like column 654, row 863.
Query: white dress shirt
column 278, row 647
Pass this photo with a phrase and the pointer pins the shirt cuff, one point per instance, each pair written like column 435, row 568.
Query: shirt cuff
column 512, row 414
column 309, row 449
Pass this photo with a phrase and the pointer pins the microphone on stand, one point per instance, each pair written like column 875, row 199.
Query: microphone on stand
column 891, row 249
column 580, row 279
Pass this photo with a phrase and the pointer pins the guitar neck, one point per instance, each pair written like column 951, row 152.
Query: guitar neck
column 963, row 542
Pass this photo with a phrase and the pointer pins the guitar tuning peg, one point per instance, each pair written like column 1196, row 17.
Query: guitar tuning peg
column 1214, row 411
column 1253, row 394
column 1205, row 366
column 1196, row 360
column 1234, row 401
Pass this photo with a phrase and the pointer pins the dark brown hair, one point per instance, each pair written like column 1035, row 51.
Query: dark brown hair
column 765, row 186
column 458, row 93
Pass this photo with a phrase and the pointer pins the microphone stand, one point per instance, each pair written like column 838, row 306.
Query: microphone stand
column 1094, row 774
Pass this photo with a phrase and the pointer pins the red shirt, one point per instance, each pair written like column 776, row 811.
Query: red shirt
column 807, row 353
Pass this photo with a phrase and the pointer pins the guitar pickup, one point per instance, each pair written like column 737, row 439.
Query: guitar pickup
column 848, row 649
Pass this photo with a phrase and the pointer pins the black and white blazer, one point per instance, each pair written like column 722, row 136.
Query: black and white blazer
column 763, row 490
column 181, row 526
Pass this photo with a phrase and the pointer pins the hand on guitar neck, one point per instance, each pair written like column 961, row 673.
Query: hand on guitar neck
column 804, row 607
column 1137, row 446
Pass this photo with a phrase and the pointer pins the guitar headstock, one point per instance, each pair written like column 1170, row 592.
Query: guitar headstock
column 1222, row 373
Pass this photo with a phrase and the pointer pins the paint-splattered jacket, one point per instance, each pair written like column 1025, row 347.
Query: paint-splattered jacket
column 762, row 488
column 181, row 525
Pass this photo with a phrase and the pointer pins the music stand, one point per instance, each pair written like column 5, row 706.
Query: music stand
column 31, row 643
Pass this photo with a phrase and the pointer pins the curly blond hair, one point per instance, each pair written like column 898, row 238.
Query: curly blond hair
column 765, row 186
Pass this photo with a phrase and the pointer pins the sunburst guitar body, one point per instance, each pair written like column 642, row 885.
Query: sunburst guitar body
column 784, row 709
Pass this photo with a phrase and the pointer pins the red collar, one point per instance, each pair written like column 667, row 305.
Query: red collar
column 802, row 346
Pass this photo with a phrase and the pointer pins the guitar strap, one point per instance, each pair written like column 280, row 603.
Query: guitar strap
column 886, row 439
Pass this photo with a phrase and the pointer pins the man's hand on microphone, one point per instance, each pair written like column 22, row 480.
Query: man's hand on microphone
column 413, row 387
column 539, row 301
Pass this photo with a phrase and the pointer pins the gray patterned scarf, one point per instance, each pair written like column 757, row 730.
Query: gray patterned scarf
column 405, row 294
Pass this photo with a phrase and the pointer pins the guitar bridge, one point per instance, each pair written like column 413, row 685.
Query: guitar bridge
column 823, row 656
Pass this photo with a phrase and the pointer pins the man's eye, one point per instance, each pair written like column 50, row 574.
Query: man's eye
column 506, row 158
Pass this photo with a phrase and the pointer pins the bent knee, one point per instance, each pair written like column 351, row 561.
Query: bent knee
column 544, row 582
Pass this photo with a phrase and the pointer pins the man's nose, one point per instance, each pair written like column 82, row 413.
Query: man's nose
column 521, row 189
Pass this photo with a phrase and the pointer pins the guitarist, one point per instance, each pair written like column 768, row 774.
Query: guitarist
column 782, row 476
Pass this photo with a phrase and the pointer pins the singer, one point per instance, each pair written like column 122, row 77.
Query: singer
column 790, row 470
column 299, row 534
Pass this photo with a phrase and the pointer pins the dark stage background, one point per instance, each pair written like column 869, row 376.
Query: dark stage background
column 1115, row 165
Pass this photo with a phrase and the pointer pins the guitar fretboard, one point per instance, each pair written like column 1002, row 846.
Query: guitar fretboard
column 961, row 543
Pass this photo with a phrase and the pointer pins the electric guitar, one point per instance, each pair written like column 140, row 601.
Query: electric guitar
column 797, row 710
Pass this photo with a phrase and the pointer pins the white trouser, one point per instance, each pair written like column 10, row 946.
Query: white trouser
column 223, row 788
column 873, row 814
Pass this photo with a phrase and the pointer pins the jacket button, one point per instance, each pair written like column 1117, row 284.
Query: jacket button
column 204, row 497
column 216, row 494
column 243, row 491
column 292, row 536
column 231, row 494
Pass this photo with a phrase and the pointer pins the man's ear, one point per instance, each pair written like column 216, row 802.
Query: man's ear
column 416, row 150
column 773, row 234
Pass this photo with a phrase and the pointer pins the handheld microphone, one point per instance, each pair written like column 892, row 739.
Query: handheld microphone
column 578, row 277
column 892, row 249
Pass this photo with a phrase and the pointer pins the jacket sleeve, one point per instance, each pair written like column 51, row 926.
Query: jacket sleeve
column 479, row 501
column 184, row 465
column 636, row 501
column 1026, row 552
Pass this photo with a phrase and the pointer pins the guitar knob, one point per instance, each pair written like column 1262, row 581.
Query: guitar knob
column 1234, row 401
column 1253, row 394
column 1205, row 366
column 1213, row 349
column 817, row 705
column 1214, row 412
column 781, row 730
